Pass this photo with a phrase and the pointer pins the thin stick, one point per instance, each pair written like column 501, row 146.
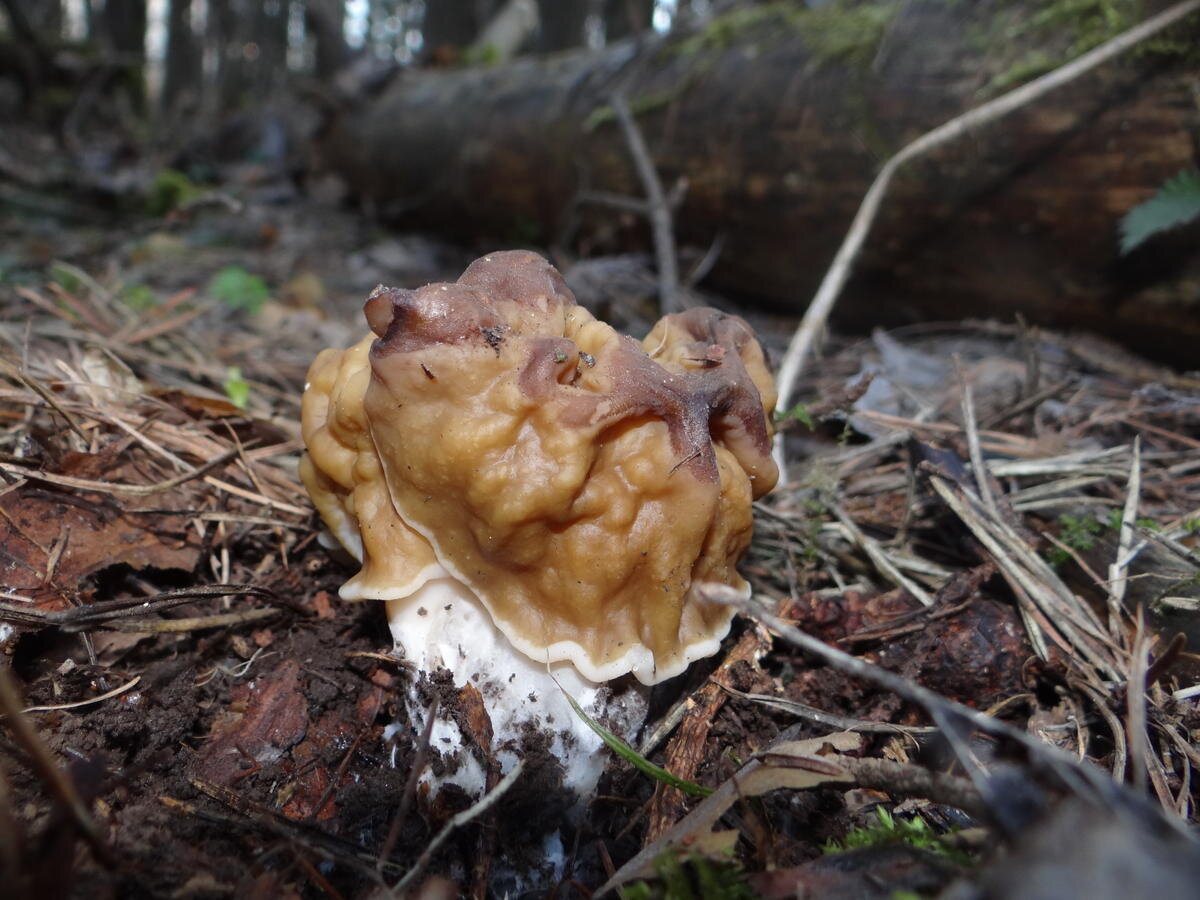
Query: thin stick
column 978, row 466
column 818, row 311
column 115, row 487
column 658, row 207
column 465, row 817
column 79, row 618
column 194, row 623
column 410, row 786
column 832, row 721
column 1118, row 571
column 108, row 695
column 879, row 557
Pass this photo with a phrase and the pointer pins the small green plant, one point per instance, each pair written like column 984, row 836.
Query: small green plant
column 170, row 190
column 66, row 277
column 915, row 832
column 1176, row 203
column 1115, row 517
column 139, row 297
column 236, row 387
column 635, row 759
column 1080, row 532
column 1076, row 532
column 799, row 412
column 691, row 877
column 237, row 288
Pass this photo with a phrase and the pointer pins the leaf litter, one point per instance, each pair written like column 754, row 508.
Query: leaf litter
column 991, row 530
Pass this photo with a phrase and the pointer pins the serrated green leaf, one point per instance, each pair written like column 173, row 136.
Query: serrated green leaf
column 1176, row 203
column 634, row 758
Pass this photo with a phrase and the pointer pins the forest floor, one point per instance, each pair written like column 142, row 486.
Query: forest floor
column 190, row 711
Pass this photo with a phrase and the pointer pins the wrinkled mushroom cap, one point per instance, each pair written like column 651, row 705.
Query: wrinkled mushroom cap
column 344, row 478
column 581, row 488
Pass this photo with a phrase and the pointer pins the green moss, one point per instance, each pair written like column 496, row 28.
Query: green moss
column 847, row 31
column 1078, row 533
column 729, row 27
column 691, row 877
column 1081, row 532
column 915, row 832
column 602, row 115
column 1032, row 65
column 1065, row 29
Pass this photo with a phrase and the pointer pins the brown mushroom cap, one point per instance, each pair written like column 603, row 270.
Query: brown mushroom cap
column 580, row 487
column 344, row 478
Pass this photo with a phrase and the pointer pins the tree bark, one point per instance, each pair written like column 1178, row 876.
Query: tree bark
column 779, row 136
column 124, row 24
column 183, row 55
column 625, row 17
column 453, row 24
column 562, row 24
column 47, row 17
column 271, row 38
column 324, row 19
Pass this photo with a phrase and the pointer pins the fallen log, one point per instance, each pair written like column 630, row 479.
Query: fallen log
column 779, row 116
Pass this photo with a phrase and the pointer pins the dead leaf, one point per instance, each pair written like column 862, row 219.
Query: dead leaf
column 53, row 538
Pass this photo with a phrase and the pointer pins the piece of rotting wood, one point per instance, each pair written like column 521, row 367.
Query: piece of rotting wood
column 817, row 314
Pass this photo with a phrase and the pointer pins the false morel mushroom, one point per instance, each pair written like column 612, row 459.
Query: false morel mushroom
column 537, row 497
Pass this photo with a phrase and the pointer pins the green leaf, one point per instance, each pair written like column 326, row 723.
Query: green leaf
column 799, row 412
column 1176, row 203
column 634, row 758
column 139, row 297
column 236, row 388
column 237, row 288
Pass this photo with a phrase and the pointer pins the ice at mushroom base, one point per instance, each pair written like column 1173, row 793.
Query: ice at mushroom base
column 538, row 498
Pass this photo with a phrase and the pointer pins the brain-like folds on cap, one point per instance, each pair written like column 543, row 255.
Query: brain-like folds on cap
column 582, row 484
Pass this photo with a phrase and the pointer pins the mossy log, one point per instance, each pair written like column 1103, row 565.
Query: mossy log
column 779, row 117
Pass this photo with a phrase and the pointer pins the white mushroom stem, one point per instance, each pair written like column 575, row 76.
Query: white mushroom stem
column 444, row 625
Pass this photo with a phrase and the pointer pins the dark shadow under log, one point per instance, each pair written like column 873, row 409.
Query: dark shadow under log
column 779, row 120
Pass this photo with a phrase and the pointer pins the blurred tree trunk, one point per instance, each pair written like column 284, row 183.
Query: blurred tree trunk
column 124, row 26
column 779, row 138
column 46, row 17
column 325, row 19
column 454, row 23
column 626, row 17
column 183, row 55
column 22, row 53
column 562, row 24
column 269, row 32
column 226, row 26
